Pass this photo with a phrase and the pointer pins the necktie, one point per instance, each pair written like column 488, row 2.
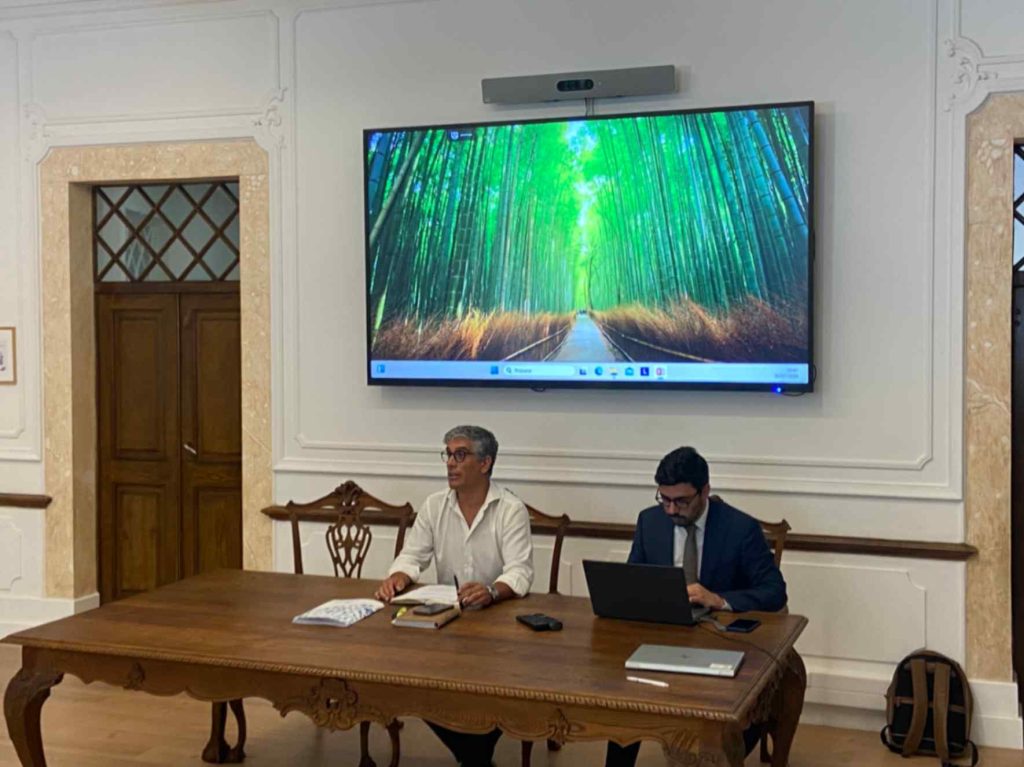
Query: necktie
column 690, row 553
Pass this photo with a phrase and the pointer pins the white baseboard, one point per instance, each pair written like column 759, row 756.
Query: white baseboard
column 20, row 613
column 857, row 702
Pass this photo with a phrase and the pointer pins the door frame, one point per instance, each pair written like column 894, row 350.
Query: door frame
column 67, row 175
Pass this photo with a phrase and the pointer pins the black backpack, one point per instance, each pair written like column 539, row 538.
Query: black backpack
column 928, row 709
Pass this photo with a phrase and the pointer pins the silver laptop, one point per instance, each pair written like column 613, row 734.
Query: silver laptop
column 685, row 660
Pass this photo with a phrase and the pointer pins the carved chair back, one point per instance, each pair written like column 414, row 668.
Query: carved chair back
column 350, row 510
column 557, row 526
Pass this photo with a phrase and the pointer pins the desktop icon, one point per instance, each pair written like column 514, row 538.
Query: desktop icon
column 660, row 372
column 494, row 370
column 380, row 368
column 645, row 371
column 629, row 371
column 598, row 370
column 583, row 371
column 508, row 370
column 613, row 371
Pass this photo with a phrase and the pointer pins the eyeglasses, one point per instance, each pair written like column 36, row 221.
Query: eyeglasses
column 679, row 503
column 459, row 455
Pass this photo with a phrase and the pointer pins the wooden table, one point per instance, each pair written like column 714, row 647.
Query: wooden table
column 229, row 635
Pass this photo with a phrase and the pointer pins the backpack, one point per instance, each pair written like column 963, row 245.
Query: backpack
column 928, row 709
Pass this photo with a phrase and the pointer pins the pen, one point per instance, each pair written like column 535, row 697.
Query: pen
column 456, row 578
column 645, row 680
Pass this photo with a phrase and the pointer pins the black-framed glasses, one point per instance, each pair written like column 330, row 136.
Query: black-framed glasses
column 458, row 455
column 680, row 503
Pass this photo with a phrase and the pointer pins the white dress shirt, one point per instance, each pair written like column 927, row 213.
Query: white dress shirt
column 495, row 548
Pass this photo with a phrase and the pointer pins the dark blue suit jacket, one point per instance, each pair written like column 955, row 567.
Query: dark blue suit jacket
column 736, row 562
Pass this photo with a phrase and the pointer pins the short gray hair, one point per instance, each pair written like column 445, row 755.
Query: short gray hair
column 485, row 445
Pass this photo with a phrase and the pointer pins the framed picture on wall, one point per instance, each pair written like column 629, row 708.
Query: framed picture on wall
column 8, row 361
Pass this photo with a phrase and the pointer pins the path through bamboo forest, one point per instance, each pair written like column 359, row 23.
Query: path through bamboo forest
column 586, row 342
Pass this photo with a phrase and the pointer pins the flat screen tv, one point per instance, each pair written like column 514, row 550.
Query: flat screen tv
column 655, row 250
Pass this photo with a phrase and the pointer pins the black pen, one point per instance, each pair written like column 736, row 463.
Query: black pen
column 456, row 578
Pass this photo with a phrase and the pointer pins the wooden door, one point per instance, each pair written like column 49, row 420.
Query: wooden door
column 139, row 429
column 169, row 407
column 211, row 432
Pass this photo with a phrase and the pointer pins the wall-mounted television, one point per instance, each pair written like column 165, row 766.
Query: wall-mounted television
column 653, row 250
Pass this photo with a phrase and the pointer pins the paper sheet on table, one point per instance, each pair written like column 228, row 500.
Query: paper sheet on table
column 432, row 594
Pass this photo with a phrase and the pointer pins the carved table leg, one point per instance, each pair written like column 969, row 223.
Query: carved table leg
column 23, row 703
column 789, row 704
column 217, row 750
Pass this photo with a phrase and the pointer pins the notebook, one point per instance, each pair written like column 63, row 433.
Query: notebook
column 432, row 594
column 408, row 619
column 685, row 660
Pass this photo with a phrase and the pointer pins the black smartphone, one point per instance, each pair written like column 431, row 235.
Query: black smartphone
column 430, row 609
column 743, row 625
column 540, row 622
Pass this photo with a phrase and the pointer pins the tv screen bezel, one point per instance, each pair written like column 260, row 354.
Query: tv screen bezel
column 593, row 383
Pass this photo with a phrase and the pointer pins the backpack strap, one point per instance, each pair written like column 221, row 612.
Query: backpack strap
column 940, row 710
column 919, row 717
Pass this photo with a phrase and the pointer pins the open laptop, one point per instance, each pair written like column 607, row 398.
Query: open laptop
column 654, row 593
column 685, row 660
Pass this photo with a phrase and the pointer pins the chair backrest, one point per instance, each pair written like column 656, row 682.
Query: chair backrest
column 557, row 526
column 774, row 533
column 349, row 535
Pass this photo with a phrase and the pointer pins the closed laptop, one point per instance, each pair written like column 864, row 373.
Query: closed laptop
column 685, row 660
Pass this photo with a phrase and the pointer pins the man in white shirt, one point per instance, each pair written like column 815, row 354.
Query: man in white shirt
column 478, row 536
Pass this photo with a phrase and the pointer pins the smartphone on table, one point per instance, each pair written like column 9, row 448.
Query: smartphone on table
column 743, row 625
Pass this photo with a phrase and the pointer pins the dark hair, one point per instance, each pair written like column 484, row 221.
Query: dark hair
column 683, row 465
column 485, row 445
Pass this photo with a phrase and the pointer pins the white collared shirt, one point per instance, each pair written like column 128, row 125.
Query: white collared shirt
column 679, row 544
column 496, row 548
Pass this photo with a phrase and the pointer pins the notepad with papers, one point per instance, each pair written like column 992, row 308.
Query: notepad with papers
column 685, row 660
column 435, row 594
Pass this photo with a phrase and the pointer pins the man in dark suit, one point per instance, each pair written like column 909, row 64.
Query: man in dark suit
column 725, row 555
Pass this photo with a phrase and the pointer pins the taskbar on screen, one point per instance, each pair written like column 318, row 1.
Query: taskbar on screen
column 541, row 373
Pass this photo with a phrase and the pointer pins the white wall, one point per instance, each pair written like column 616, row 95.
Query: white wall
column 875, row 451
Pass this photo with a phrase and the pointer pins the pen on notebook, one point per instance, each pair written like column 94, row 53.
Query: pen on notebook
column 645, row 680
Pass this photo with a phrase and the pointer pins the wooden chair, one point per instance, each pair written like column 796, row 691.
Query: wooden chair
column 348, row 542
column 775, row 534
column 557, row 526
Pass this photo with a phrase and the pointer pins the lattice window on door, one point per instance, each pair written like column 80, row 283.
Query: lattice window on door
column 1018, row 208
column 166, row 232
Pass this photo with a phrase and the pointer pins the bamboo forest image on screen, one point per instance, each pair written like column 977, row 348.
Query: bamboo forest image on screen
column 654, row 249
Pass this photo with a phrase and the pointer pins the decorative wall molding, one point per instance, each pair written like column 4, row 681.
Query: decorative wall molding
column 190, row 19
column 270, row 121
column 918, row 475
column 968, row 70
column 601, row 476
column 11, row 540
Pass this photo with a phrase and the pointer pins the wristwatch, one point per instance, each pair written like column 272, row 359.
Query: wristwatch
column 493, row 591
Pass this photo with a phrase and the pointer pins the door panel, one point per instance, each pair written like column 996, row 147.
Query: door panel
column 138, row 525
column 218, row 528
column 211, row 430
column 138, row 412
